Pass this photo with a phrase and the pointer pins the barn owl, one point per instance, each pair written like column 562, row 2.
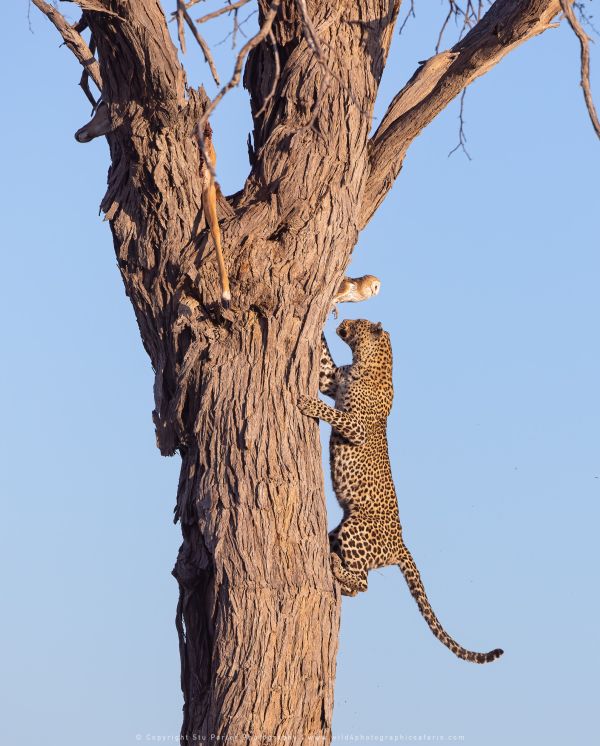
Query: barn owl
column 354, row 289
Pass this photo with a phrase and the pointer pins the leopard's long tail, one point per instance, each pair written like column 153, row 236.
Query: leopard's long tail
column 415, row 585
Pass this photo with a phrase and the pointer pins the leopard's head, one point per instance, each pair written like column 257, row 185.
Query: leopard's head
column 366, row 339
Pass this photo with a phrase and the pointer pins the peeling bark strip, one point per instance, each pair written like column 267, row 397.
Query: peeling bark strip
column 258, row 613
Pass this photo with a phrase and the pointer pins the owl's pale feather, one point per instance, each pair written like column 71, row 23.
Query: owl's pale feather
column 355, row 289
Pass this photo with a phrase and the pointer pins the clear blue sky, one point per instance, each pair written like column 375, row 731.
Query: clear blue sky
column 490, row 275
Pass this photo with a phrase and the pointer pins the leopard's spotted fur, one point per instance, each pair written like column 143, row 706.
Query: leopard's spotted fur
column 370, row 534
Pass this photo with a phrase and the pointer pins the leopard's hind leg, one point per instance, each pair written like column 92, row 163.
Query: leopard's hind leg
column 348, row 555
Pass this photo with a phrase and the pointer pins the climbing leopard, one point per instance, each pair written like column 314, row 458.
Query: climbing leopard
column 370, row 534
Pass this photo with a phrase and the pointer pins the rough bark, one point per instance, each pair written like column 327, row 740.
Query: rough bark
column 258, row 612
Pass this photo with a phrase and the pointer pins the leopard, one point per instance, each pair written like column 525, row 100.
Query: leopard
column 369, row 535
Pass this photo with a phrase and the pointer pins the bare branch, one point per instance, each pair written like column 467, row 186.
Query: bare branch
column 237, row 26
column 462, row 138
column 147, row 66
column 201, row 41
column 81, row 24
column 441, row 34
column 225, row 9
column 260, row 36
column 310, row 34
column 73, row 40
column 84, row 83
column 464, row 17
column 180, row 27
column 410, row 14
column 585, row 62
column 29, row 17
column 506, row 25
column 585, row 18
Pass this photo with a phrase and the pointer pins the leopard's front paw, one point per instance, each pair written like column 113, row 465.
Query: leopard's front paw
column 308, row 406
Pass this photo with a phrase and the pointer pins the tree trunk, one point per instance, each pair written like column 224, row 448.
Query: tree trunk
column 258, row 611
column 258, row 616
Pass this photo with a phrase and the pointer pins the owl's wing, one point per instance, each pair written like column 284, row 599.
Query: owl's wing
column 347, row 287
column 350, row 289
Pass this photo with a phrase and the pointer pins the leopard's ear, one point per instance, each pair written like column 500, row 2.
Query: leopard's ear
column 378, row 328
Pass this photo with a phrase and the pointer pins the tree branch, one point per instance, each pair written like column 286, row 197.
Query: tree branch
column 585, row 62
column 440, row 79
column 220, row 11
column 201, row 42
column 259, row 37
column 73, row 40
column 137, row 58
column 180, row 30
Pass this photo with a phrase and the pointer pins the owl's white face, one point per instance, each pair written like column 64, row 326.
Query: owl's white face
column 375, row 287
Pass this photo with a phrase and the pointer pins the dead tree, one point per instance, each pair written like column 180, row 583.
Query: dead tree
column 258, row 612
